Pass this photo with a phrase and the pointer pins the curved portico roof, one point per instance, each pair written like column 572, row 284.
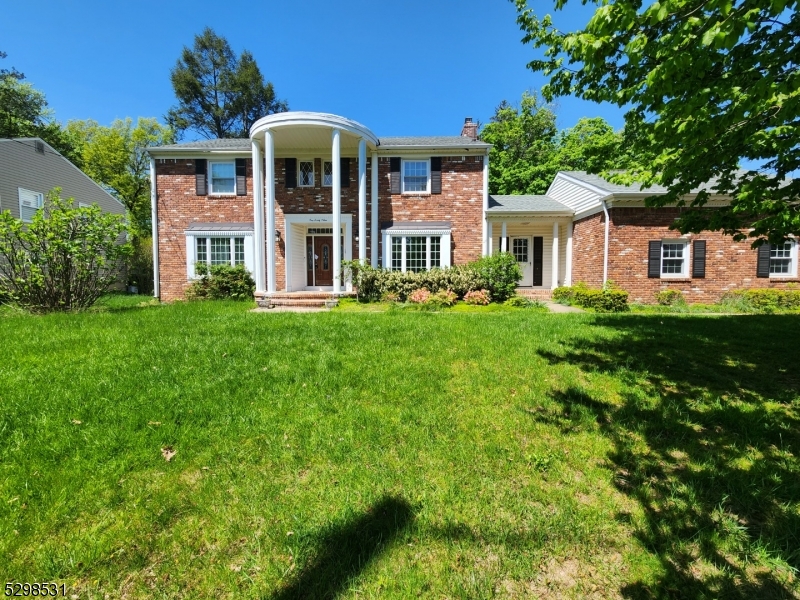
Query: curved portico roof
column 307, row 130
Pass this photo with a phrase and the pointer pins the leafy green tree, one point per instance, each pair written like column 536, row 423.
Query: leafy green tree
column 708, row 86
column 116, row 157
column 64, row 259
column 24, row 113
column 12, row 72
column 523, row 145
column 592, row 146
column 219, row 95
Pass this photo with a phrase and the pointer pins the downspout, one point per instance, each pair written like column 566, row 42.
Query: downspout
column 605, row 244
column 154, row 227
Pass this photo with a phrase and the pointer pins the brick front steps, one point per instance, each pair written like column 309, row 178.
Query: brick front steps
column 535, row 294
column 300, row 300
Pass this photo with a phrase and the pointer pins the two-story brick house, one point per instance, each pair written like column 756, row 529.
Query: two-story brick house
column 412, row 203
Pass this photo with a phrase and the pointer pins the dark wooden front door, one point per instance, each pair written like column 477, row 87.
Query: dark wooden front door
column 319, row 261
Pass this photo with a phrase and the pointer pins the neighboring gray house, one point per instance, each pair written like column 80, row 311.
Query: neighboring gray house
column 30, row 168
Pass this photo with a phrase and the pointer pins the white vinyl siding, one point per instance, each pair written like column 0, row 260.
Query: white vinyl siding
column 545, row 231
column 577, row 197
column 29, row 203
column 298, row 276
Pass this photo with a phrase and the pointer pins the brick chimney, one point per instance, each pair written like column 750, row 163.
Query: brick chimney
column 470, row 129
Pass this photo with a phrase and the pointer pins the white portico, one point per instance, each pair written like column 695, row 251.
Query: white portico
column 294, row 134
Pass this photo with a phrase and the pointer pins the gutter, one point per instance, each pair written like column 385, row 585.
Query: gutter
column 605, row 243
column 154, row 226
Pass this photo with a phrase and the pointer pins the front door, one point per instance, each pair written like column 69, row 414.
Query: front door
column 521, row 249
column 319, row 252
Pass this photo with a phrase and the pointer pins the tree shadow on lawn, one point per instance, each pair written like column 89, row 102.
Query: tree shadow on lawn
column 343, row 550
column 706, row 439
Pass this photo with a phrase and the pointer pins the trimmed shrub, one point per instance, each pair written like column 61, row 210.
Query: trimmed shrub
column 501, row 273
column 221, row 282
column 763, row 300
column 442, row 299
column 669, row 297
column 606, row 300
column 480, row 297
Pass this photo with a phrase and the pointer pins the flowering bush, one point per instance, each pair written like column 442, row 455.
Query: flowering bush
column 481, row 297
column 442, row 298
column 419, row 296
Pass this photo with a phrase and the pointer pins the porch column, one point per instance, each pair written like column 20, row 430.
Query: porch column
column 489, row 235
column 258, row 220
column 504, row 239
column 568, row 258
column 269, row 176
column 336, row 191
column 362, row 200
column 374, row 194
column 554, row 276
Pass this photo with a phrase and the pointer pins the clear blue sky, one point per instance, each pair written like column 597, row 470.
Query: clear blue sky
column 410, row 67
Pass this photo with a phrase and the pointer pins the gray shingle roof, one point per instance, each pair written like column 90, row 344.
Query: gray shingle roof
column 242, row 144
column 447, row 141
column 542, row 204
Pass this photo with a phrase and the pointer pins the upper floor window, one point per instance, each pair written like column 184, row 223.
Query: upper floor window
column 29, row 203
column 306, row 173
column 416, row 176
column 327, row 173
column 223, row 178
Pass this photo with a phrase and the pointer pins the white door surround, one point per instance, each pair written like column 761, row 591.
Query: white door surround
column 522, row 249
column 299, row 224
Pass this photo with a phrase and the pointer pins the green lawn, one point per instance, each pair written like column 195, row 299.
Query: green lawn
column 399, row 454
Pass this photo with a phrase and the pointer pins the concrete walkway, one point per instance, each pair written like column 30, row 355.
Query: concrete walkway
column 561, row 308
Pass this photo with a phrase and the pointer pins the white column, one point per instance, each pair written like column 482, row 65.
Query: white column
column 258, row 221
column 489, row 235
column 362, row 200
column 554, row 275
column 374, row 194
column 154, row 225
column 269, row 177
column 336, row 191
column 568, row 258
column 504, row 239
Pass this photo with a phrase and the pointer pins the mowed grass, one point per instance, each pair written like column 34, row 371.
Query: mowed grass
column 399, row 454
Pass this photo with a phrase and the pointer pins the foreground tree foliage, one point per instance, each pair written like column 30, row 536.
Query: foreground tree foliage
column 708, row 86
column 219, row 95
column 64, row 259
column 528, row 149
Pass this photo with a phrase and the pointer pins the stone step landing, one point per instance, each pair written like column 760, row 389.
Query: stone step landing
column 535, row 294
column 300, row 300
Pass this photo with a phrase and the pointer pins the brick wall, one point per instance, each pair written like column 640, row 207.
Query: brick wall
column 729, row 265
column 588, row 243
column 461, row 203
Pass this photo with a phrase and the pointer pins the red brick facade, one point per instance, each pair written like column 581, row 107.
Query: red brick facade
column 729, row 265
column 461, row 203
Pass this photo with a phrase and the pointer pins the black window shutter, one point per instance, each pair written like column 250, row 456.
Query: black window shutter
column 200, row 184
column 394, row 168
column 699, row 258
column 654, row 260
column 763, row 260
column 290, row 164
column 241, row 177
column 345, row 167
column 538, row 255
column 436, row 174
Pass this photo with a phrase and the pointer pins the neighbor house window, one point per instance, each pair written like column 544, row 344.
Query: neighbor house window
column 327, row 173
column 223, row 178
column 29, row 203
column 674, row 258
column 782, row 259
column 416, row 176
column 415, row 252
column 306, row 173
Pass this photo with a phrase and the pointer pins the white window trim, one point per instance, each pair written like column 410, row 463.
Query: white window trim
column 684, row 274
column 313, row 172
column 792, row 274
column 444, row 246
column 322, row 173
column 19, row 196
column 211, row 191
column 403, row 162
column 191, row 248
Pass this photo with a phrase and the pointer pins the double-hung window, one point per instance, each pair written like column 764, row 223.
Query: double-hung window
column 674, row 258
column 783, row 259
column 416, row 176
column 222, row 178
column 29, row 203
